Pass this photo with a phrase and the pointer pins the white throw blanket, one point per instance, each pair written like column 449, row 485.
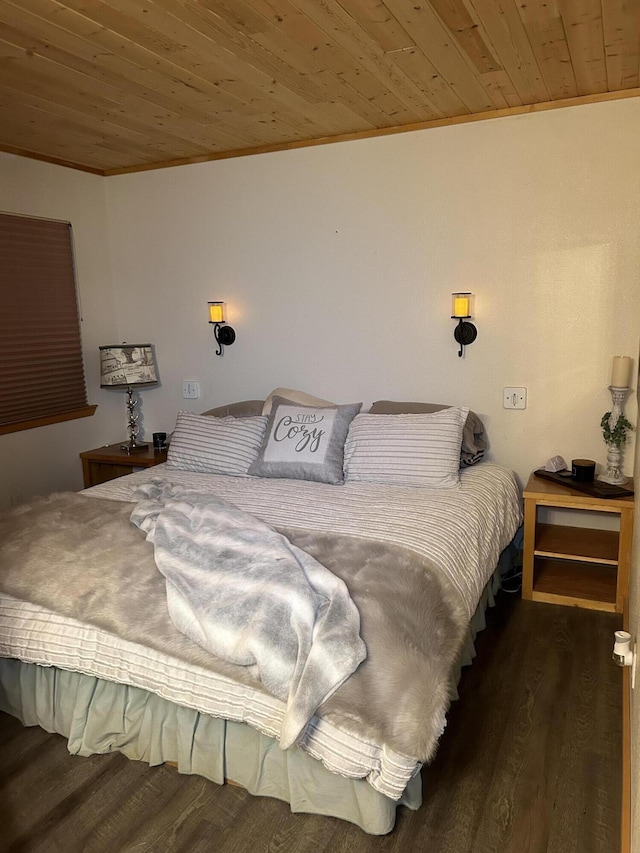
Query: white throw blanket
column 247, row 595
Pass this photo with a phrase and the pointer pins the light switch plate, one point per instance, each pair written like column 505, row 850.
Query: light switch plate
column 514, row 398
column 190, row 389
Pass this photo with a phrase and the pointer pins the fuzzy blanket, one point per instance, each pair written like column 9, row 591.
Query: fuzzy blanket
column 81, row 557
column 243, row 592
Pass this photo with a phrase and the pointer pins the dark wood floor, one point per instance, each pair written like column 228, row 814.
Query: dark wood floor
column 530, row 762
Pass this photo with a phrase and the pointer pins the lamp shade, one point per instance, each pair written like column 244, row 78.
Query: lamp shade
column 127, row 364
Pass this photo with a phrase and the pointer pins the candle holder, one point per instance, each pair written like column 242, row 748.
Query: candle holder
column 614, row 428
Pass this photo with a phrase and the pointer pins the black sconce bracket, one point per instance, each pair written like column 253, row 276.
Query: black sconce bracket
column 464, row 333
column 224, row 336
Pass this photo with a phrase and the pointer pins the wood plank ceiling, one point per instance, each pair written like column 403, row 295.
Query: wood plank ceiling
column 119, row 85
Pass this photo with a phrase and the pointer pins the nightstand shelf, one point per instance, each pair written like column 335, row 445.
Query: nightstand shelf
column 587, row 585
column 110, row 462
column 577, row 566
column 583, row 543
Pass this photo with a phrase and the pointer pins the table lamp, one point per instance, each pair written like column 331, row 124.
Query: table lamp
column 128, row 366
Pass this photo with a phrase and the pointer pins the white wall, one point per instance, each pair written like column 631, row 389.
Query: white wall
column 337, row 264
column 42, row 460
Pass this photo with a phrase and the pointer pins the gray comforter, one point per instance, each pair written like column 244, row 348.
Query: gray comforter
column 246, row 594
column 81, row 557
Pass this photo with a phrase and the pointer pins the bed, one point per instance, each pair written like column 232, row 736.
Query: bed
column 89, row 645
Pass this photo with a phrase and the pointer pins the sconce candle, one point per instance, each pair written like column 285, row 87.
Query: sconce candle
column 460, row 305
column 216, row 312
column 621, row 371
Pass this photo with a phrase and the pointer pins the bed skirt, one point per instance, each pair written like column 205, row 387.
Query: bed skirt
column 98, row 717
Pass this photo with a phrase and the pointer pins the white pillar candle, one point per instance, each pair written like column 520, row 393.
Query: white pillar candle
column 621, row 371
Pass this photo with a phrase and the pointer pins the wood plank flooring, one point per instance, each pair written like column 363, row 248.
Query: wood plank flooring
column 530, row 762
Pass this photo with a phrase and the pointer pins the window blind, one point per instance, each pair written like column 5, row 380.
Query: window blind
column 41, row 369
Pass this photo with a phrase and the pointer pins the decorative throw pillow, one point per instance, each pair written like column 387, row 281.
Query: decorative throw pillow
column 406, row 450
column 305, row 442
column 474, row 440
column 293, row 397
column 243, row 409
column 212, row 445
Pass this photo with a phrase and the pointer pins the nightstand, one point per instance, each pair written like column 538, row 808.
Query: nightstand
column 578, row 566
column 109, row 462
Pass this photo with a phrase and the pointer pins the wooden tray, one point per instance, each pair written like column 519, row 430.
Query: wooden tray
column 597, row 489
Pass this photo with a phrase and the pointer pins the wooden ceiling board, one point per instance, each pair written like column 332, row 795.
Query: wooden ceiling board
column 440, row 46
column 501, row 89
column 321, row 34
column 546, row 33
column 621, row 33
column 341, row 29
column 504, row 26
column 374, row 17
column 582, row 21
column 461, row 20
column 113, row 86
column 438, row 94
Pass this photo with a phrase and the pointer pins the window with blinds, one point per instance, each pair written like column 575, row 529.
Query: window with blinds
column 41, row 369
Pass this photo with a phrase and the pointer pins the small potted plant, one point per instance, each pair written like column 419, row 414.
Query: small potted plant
column 618, row 435
column 614, row 432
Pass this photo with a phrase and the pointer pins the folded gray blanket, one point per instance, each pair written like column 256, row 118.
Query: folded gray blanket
column 243, row 592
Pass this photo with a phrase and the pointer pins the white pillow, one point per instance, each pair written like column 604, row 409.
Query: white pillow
column 215, row 445
column 406, row 450
column 299, row 397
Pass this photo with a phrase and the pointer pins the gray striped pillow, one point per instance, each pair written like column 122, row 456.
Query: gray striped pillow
column 406, row 450
column 211, row 445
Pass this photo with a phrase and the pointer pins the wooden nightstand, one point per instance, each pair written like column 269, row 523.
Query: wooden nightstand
column 109, row 462
column 578, row 566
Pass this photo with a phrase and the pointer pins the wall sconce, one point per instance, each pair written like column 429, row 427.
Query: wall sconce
column 224, row 334
column 465, row 333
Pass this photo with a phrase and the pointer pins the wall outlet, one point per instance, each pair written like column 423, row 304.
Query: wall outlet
column 190, row 389
column 514, row 398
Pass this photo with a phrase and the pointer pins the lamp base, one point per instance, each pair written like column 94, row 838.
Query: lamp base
column 133, row 447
